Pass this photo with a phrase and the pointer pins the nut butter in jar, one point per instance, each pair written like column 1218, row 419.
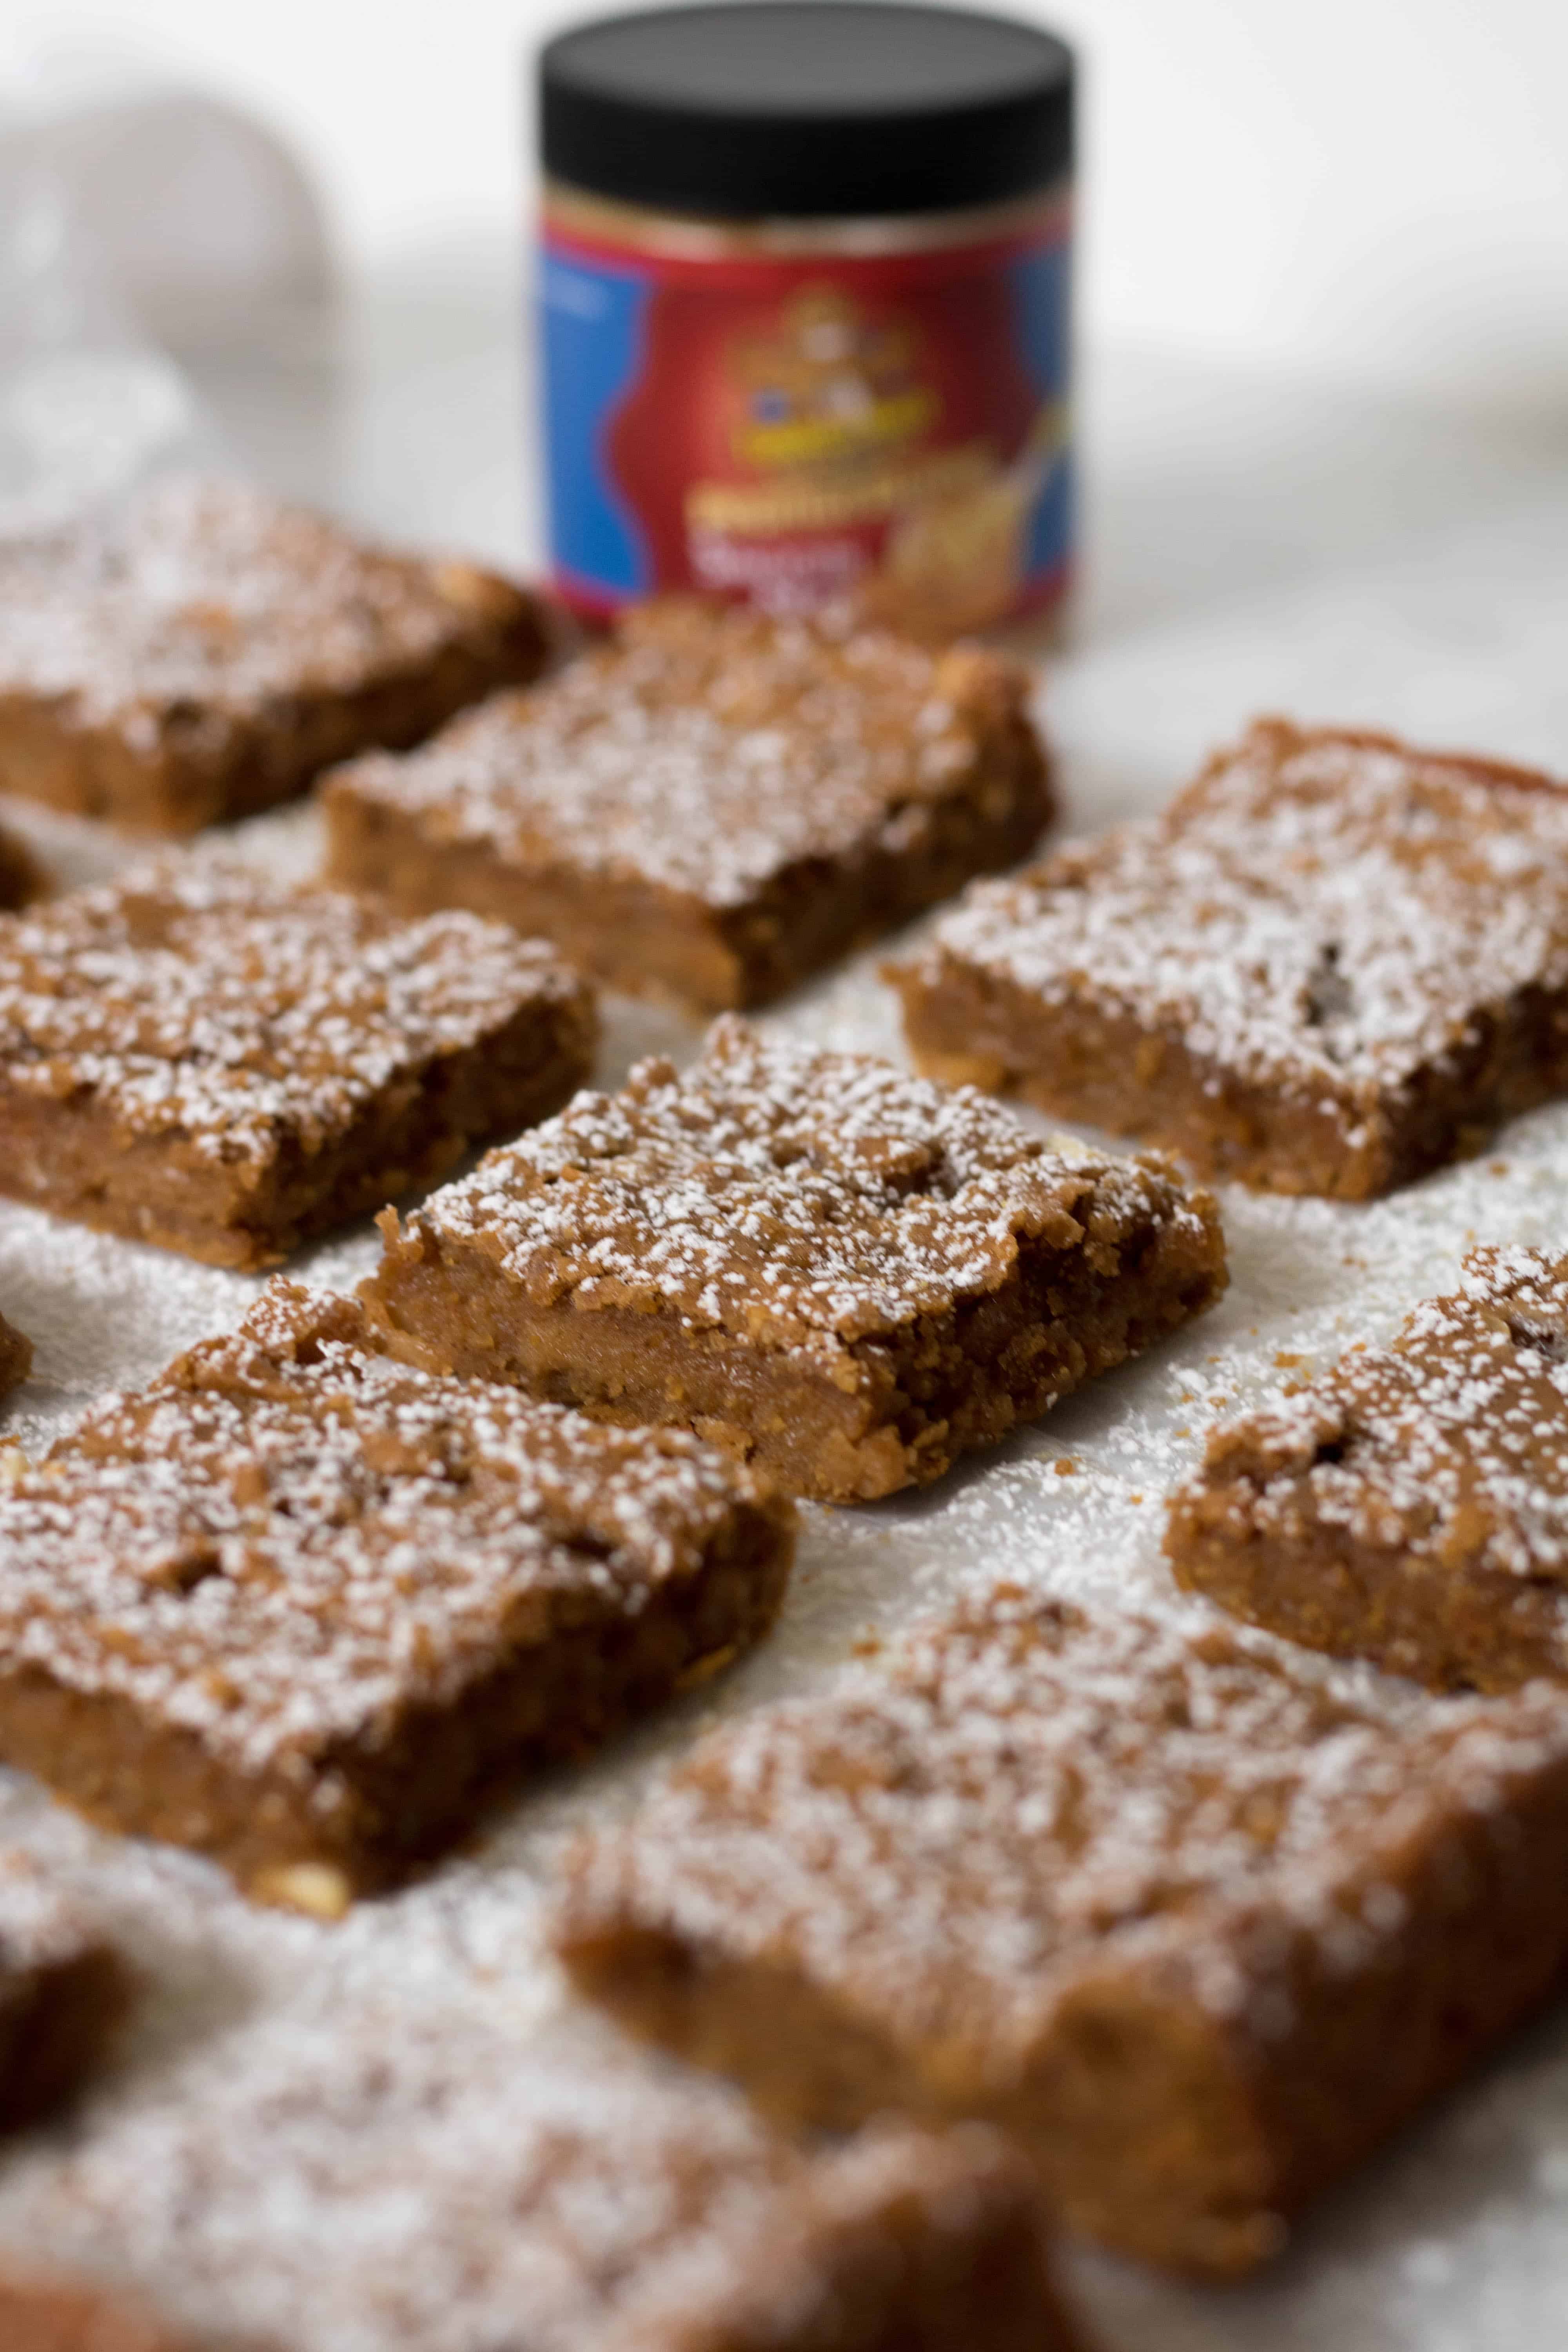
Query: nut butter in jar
column 805, row 298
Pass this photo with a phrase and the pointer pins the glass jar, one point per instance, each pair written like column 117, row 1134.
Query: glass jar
column 805, row 310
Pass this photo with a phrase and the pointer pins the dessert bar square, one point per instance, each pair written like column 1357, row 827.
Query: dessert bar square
column 712, row 806
column 15, row 1356
column 307, row 1610
column 1333, row 964
column 63, row 1990
column 201, row 652
column 429, row 2188
column 846, row 1275
column 1197, row 1932
column 1410, row 1506
column 198, row 1057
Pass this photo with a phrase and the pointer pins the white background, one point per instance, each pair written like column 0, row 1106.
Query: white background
column 1372, row 191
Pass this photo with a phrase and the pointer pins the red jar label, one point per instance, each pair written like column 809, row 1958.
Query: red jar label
column 793, row 428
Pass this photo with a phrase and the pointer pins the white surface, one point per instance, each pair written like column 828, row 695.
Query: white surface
column 1257, row 546
column 1371, row 189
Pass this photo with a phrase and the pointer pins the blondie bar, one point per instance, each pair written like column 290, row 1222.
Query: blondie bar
column 1198, row 1933
column 1411, row 1506
column 198, row 1057
column 429, row 2188
column 712, row 806
column 307, row 1610
column 63, row 1990
column 1333, row 964
column 846, row 1275
column 202, row 652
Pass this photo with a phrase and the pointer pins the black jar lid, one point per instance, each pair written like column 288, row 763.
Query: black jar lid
column 807, row 108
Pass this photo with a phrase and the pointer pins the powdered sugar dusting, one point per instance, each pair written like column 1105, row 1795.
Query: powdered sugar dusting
column 1451, row 1444
column 1412, row 1503
column 798, row 1199
column 200, row 602
column 709, row 754
column 199, row 1002
column 364, row 2184
column 1325, row 914
column 288, row 1539
column 1022, row 1794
